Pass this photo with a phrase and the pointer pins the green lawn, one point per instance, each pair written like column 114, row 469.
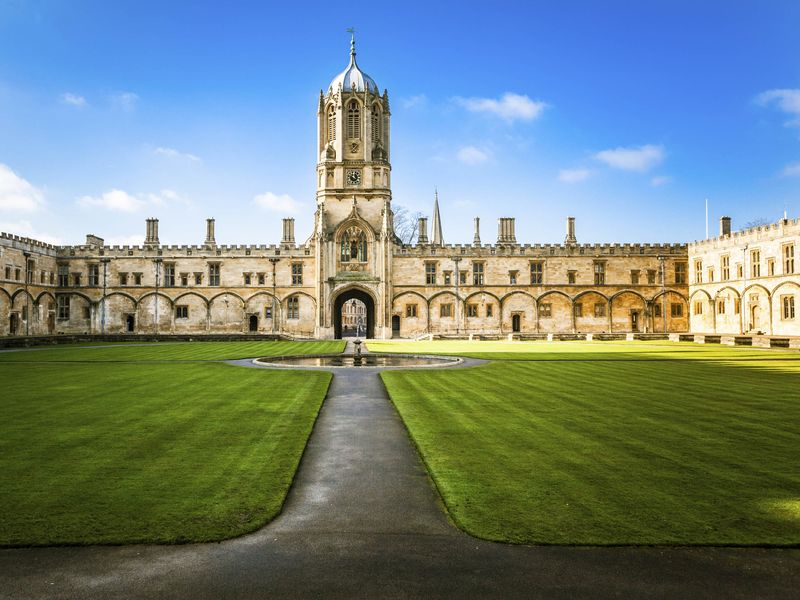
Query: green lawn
column 610, row 443
column 117, row 452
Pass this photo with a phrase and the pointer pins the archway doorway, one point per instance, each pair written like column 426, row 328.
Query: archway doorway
column 13, row 323
column 130, row 322
column 368, row 315
column 395, row 326
column 253, row 323
column 515, row 323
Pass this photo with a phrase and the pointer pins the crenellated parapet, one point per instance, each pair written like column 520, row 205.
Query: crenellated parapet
column 542, row 250
column 183, row 251
column 746, row 236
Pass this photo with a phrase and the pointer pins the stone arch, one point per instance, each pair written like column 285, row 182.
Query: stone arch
column 522, row 305
column 786, row 323
column 554, row 312
column 591, row 319
column 119, row 306
column 353, row 292
column 226, row 313
column 5, row 312
column 411, row 326
column 267, row 307
column 154, row 313
column 727, row 319
column 483, row 322
column 668, row 320
column 185, row 294
column 445, row 323
column 190, row 313
column 628, row 312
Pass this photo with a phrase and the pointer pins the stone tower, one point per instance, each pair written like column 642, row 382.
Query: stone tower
column 353, row 222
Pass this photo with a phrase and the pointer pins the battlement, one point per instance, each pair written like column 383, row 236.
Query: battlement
column 184, row 251
column 781, row 227
column 24, row 243
column 543, row 250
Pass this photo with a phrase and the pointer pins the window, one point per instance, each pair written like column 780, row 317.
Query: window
column 447, row 278
column 446, row 310
column 94, row 275
column 31, row 266
column 537, row 273
column 489, row 310
column 293, row 307
column 725, row 268
column 411, row 310
column 8, row 272
column 182, row 312
column 571, row 277
column 656, row 310
column 267, row 312
column 545, row 309
column 354, row 245
column 198, row 279
column 578, row 309
column 184, row 280
column 770, row 267
column 169, row 274
column 736, row 306
column 676, row 309
column 63, row 275
column 137, row 279
column 651, row 276
column 755, row 263
column 331, row 124
column 123, row 279
column 788, row 307
column 477, row 273
column 599, row 309
column 430, row 273
column 698, row 307
column 297, row 273
column 213, row 274
column 788, row 259
column 43, row 277
column 247, row 278
column 720, row 307
column 472, row 310
column 462, row 277
column 52, row 278
column 62, row 307
column 353, row 120
column 634, row 277
column 599, row 273
column 698, row 271
column 17, row 273
column 739, row 270
column 512, row 277
column 680, row 272
column 76, row 279
column 710, row 274
column 376, row 124
column 261, row 279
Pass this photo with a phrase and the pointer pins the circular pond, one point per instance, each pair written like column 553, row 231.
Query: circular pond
column 367, row 360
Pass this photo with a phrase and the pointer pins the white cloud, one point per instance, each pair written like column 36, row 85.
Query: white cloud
column 787, row 100
column 792, row 170
column 125, row 101
column 472, row 156
column 660, row 180
column 17, row 194
column 417, row 101
column 73, row 99
column 573, row 175
column 641, row 158
column 175, row 154
column 283, row 203
column 25, row 229
column 510, row 107
column 125, row 240
column 165, row 197
column 114, row 200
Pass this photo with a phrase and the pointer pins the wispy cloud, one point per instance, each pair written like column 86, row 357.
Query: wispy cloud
column 509, row 107
column 573, row 175
column 787, row 100
column 471, row 155
column 282, row 203
column 175, row 154
column 640, row 158
column 17, row 194
column 417, row 101
column 113, row 200
column 125, row 240
column 75, row 100
column 792, row 170
column 125, row 101
column 26, row 229
column 660, row 180
column 166, row 197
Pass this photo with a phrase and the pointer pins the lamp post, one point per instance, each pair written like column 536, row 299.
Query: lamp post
column 28, row 272
column 105, row 262
column 457, row 275
column 158, row 270
column 743, row 302
column 274, row 262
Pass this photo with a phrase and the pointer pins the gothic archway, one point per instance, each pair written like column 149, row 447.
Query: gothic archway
column 338, row 304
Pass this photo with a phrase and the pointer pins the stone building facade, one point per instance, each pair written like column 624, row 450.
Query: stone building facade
column 746, row 282
column 301, row 289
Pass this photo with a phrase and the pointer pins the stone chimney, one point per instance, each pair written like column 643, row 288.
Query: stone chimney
column 210, row 240
column 724, row 226
column 570, row 239
column 288, row 231
column 505, row 231
column 93, row 240
column 151, row 237
column 476, row 239
column 422, row 238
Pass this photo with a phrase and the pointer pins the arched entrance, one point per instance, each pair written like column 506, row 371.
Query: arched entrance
column 338, row 306
column 515, row 323
column 130, row 322
column 253, row 323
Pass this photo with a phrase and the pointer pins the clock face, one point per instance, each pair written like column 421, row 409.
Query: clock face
column 353, row 177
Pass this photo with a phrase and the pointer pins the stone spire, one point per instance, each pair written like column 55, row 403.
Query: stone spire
column 436, row 226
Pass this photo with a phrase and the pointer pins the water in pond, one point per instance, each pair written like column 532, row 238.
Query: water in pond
column 367, row 360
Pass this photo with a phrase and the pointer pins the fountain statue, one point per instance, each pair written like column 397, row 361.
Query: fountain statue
column 357, row 353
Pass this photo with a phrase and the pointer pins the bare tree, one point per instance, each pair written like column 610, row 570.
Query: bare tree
column 405, row 224
column 758, row 222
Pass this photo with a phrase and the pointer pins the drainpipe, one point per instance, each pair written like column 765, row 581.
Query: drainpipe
column 158, row 270
column 27, row 256
column 456, row 260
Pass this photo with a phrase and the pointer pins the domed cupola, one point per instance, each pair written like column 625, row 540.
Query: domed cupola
column 353, row 79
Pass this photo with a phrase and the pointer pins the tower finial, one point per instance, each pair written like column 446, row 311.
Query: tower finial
column 352, row 33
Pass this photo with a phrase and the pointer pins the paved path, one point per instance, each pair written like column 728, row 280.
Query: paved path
column 363, row 520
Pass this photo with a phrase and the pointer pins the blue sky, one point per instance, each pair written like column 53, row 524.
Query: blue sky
column 626, row 115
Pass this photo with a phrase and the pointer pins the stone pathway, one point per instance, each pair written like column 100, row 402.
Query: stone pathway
column 363, row 520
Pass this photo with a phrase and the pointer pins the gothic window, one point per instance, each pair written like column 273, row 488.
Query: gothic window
column 62, row 307
column 169, row 274
column 213, row 274
column 537, row 270
column 297, row 273
column 353, row 120
column 94, row 275
column 354, row 245
column 446, row 310
column 725, row 268
column 430, row 273
column 599, row 272
column 477, row 273
column 331, row 124
column 376, row 124
column 293, row 307
column 788, row 259
column 182, row 312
